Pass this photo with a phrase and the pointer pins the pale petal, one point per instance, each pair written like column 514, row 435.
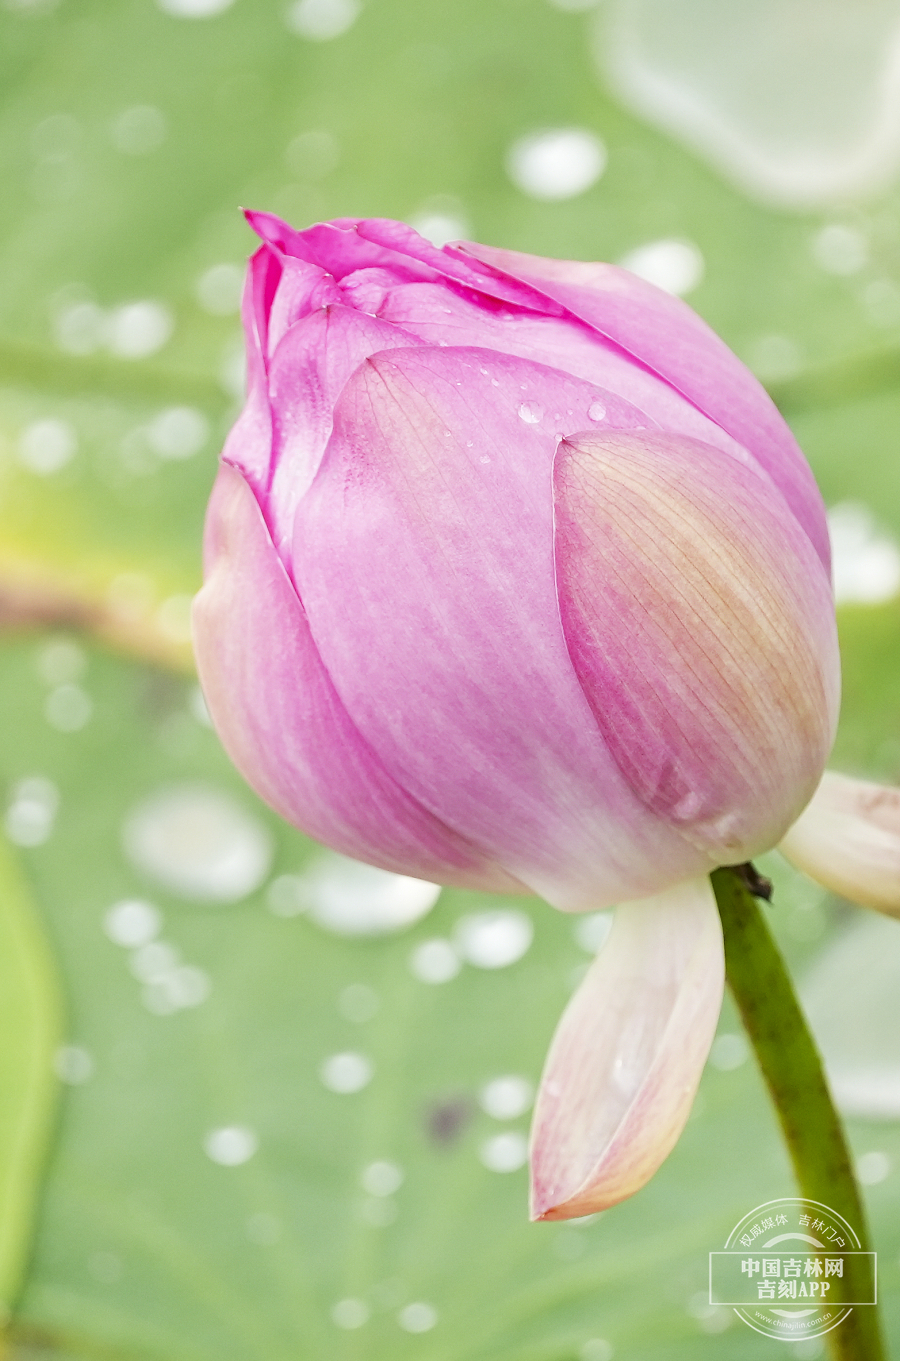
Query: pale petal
column 281, row 722
column 700, row 624
column 667, row 336
column 424, row 557
column 628, row 1054
column 848, row 839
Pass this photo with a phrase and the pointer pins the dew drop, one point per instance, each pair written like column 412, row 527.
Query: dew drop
column 177, row 433
column 47, row 445
column 531, row 413
column 353, row 899
column 675, row 266
column 73, row 1064
column 68, row 708
column 263, row 1228
column 231, row 1145
column 61, row 661
column 492, row 940
column 597, row 411
column 505, row 1152
column 32, row 811
column 556, row 163
column 379, row 1213
column 591, row 931
column 506, row 1098
column 346, row 1073
column 358, row 1003
column 382, row 1178
column 350, row 1313
column 219, row 289
column 417, row 1317
column 872, row 1168
column 199, row 843
column 132, row 923
column 138, row 329
column 138, row 130
column 321, row 20
column 728, row 1051
column 435, row 961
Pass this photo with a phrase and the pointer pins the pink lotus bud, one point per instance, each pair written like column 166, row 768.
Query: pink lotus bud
column 848, row 839
column 516, row 579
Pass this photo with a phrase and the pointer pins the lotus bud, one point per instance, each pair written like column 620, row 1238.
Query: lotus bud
column 516, row 580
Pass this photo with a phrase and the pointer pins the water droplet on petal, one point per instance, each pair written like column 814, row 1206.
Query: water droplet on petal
column 199, row 843
column 597, row 411
column 531, row 413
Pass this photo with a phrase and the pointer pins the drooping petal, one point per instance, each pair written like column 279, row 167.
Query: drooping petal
column 701, row 626
column 306, row 374
column 424, row 557
column 628, row 1054
column 283, row 725
column 665, row 334
column 848, row 839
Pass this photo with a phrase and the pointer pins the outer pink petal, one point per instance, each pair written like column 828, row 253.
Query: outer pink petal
column 306, row 374
column 666, row 335
column 424, row 557
column 701, row 626
column 849, row 840
column 441, row 316
column 628, row 1054
column 281, row 722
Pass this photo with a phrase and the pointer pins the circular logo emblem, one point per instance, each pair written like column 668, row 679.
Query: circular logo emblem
column 792, row 1268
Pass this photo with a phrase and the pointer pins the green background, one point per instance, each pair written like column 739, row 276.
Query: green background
column 120, row 1238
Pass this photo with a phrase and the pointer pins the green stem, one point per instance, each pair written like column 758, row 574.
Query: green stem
column 792, row 1068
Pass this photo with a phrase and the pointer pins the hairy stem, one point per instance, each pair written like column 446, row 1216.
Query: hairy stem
column 792, row 1068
